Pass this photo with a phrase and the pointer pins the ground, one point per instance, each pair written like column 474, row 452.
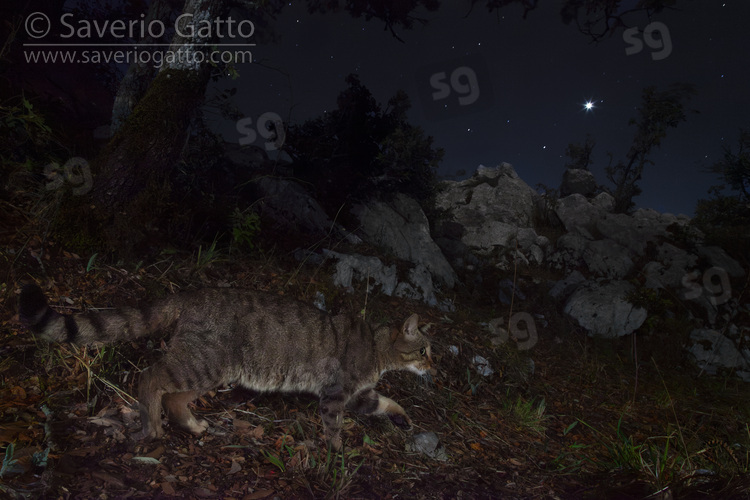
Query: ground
column 572, row 417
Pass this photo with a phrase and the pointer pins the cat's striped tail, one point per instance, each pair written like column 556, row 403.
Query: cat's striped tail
column 91, row 327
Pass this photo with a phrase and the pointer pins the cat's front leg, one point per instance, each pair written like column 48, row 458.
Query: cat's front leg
column 370, row 402
column 332, row 403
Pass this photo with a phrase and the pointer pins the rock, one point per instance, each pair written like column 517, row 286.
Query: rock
column 482, row 366
column 712, row 351
column 489, row 236
column 634, row 232
column 492, row 194
column 290, row 206
column 602, row 310
column 569, row 252
column 670, row 268
column 507, row 289
column 566, row 286
column 604, row 202
column 362, row 267
column 608, row 259
column 402, row 228
column 578, row 215
column 717, row 257
column 496, row 327
column 428, row 444
column 578, row 181
column 421, row 278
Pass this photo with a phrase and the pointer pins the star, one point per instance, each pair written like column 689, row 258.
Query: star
column 588, row 106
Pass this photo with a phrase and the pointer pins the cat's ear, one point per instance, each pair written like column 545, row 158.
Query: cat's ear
column 410, row 330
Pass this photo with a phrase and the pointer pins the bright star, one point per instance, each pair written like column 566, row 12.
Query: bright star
column 588, row 106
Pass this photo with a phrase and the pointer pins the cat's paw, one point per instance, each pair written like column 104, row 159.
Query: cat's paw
column 400, row 420
column 147, row 434
column 336, row 443
column 197, row 427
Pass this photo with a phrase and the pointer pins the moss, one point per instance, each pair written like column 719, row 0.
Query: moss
column 131, row 205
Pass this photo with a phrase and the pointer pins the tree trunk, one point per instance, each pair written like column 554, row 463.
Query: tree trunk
column 140, row 73
column 131, row 194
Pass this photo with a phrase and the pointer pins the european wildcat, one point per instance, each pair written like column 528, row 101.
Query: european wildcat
column 261, row 341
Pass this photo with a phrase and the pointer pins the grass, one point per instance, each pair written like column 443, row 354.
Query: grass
column 528, row 415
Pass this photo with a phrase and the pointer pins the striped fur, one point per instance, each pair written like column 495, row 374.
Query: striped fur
column 264, row 342
column 92, row 327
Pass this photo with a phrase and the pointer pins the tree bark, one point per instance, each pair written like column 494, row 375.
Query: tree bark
column 131, row 194
column 135, row 83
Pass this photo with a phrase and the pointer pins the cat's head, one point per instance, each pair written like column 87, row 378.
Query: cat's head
column 411, row 348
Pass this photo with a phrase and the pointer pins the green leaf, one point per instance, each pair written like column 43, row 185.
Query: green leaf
column 570, row 428
column 90, row 265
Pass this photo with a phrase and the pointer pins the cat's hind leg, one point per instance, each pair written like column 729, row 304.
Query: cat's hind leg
column 176, row 408
column 175, row 381
column 150, row 392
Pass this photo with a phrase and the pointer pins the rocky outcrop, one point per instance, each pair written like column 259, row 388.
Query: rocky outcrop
column 578, row 181
column 417, row 285
column 602, row 256
column 713, row 350
column 495, row 210
column 604, row 259
column 290, row 206
column 602, row 310
column 402, row 228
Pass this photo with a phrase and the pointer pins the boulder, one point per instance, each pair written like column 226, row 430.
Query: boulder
column 713, row 351
column 717, row 257
column 608, row 259
column 577, row 214
column 371, row 269
column 401, row 227
column 491, row 194
column 292, row 207
column 349, row 267
column 578, row 181
column 670, row 268
column 566, row 286
column 601, row 309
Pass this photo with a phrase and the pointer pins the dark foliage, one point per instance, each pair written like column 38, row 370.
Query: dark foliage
column 725, row 217
column 360, row 150
column 659, row 111
column 579, row 155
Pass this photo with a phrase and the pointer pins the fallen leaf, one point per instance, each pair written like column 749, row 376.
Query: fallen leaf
column 235, row 468
column 259, row 494
column 108, row 478
column 157, row 453
column 167, row 488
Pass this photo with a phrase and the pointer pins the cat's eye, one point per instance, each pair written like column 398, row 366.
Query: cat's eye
column 423, row 351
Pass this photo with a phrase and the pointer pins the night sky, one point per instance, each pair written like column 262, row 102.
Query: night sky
column 534, row 77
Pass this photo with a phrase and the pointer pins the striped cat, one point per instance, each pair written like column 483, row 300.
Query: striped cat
column 261, row 341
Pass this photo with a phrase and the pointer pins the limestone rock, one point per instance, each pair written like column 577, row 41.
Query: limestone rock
column 602, row 310
column 403, row 229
